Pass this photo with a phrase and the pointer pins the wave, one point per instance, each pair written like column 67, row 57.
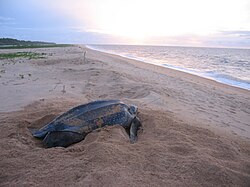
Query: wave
column 227, row 79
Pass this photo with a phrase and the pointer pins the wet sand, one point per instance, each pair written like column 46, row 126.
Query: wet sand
column 196, row 132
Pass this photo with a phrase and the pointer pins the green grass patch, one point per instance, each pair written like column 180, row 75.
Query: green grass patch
column 28, row 55
column 35, row 46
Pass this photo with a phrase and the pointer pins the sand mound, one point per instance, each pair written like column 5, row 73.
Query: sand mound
column 168, row 153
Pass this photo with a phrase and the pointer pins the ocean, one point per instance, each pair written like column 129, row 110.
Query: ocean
column 224, row 65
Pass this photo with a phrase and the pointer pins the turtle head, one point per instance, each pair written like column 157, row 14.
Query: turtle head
column 133, row 109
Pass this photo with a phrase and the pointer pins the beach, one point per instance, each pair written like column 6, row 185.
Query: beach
column 196, row 132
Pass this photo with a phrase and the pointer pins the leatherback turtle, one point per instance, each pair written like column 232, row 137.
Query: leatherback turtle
column 72, row 126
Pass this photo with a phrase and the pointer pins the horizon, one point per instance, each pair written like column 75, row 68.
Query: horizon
column 223, row 24
column 152, row 45
column 149, row 45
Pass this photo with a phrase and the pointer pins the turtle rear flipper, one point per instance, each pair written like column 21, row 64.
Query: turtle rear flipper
column 62, row 138
column 135, row 125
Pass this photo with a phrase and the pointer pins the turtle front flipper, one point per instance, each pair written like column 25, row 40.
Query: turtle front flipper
column 62, row 138
column 38, row 133
column 135, row 125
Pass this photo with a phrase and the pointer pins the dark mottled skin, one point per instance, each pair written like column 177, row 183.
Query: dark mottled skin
column 72, row 126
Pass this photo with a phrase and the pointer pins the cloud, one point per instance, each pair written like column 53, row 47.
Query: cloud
column 60, row 35
column 6, row 21
column 140, row 18
column 234, row 39
column 245, row 34
column 237, row 39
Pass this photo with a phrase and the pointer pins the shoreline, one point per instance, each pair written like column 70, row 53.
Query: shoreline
column 153, row 66
column 225, row 82
column 195, row 132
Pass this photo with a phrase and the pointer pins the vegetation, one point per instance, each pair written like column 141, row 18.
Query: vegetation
column 28, row 55
column 10, row 43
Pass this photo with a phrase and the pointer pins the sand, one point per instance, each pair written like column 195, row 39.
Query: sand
column 196, row 132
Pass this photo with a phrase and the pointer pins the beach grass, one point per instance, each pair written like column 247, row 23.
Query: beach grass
column 29, row 55
column 34, row 46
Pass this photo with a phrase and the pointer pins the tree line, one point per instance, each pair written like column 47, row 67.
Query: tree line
column 15, row 42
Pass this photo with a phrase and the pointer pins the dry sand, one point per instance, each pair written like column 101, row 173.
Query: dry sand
column 196, row 132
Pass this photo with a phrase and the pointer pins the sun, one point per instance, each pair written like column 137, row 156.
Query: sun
column 142, row 19
column 139, row 19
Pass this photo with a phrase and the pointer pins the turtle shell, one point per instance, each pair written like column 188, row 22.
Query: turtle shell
column 88, row 117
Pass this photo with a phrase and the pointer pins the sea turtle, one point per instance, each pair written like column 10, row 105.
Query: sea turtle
column 72, row 126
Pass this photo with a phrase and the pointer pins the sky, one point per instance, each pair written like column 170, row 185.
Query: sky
column 212, row 23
